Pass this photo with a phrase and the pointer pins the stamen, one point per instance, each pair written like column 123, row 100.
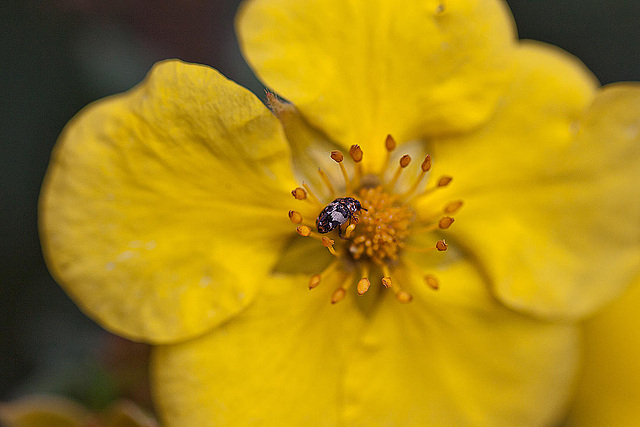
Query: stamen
column 390, row 145
column 453, row 207
column 386, row 281
column 314, row 281
column 295, row 217
column 328, row 243
column 349, row 230
column 443, row 181
column 445, row 222
column 403, row 163
column 303, row 230
column 440, row 245
column 310, row 194
column 402, row 296
column 317, row 278
column 363, row 284
column 327, row 182
column 356, row 154
column 338, row 157
column 338, row 295
column 424, row 168
column 432, row 282
column 299, row 193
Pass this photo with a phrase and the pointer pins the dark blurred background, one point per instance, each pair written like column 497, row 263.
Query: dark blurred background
column 59, row 55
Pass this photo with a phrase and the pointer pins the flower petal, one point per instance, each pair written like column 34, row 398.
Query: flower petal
column 551, row 188
column 360, row 70
column 608, row 389
column 279, row 362
column 456, row 356
column 156, row 201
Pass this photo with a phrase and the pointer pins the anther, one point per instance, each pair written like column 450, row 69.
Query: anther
column 426, row 163
column 295, row 217
column 314, row 281
column 432, row 282
column 303, row 230
column 424, row 168
column 445, row 222
column 363, row 286
column 444, row 181
column 390, row 143
column 356, row 153
column 338, row 295
column 328, row 243
column 405, row 160
column 403, row 297
column 299, row 193
column 453, row 207
column 403, row 163
column 386, row 282
column 441, row 245
column 338, row 157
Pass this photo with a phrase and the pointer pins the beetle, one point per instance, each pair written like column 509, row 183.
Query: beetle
column 337, row 213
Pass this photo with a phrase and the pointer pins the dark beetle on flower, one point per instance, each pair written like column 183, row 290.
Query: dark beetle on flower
column 337, row 213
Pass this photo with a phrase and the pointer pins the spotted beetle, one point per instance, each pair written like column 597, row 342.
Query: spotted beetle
column 337, row 213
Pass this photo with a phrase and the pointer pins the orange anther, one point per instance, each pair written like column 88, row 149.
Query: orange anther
column 295, row 217
column 453, row 206
column 445, row 222
column 445, row 180
column 303, row 230
column 441, row 245
column 299, row 193
column 337, row 156
column 356, row 153
column 327, row 242
column 314, row 281
column 426, row 164
column 405, row 160
column 390, row 143
column 363, row 286
column 403, row 297
column 432, row 282
column 338, row 295
column 386, row 282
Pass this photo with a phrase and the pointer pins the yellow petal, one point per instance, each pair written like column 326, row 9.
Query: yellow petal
column 456, row 356
column 280, row 362
column 551, row 188
column 156, row 201
column 610, row 382
column 360, row 70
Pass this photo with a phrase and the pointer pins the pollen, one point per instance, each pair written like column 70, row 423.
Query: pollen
column 367, row 221
column 381, row 230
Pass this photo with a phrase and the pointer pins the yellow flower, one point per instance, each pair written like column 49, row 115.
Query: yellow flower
column 609, row 385
column 167, row 215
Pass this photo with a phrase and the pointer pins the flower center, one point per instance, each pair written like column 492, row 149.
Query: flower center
column 382, row 229
column 373, row 222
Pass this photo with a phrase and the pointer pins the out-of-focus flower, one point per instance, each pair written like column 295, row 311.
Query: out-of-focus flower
column 48, row 411
column 164, row 215
column 609, row 385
